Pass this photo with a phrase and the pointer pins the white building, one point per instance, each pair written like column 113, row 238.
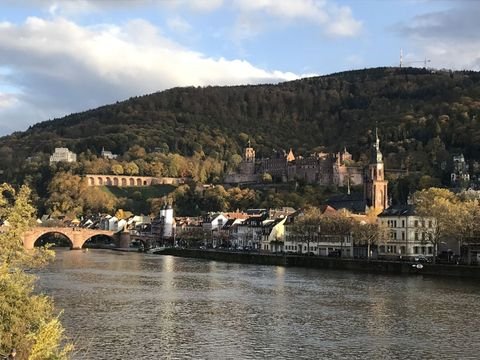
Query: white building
column 273, row 235
column 168, row 221
column 108, row 154
column 408, row 233
column 63, row 154
column 249, row 233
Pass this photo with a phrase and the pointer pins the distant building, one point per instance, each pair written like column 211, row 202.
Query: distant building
column 246, row 171
column 408, row 233
column 108, row 154
column 63, row 154
column 375, row 185
column 320, row 168
column 460, row 175
column 163, row 227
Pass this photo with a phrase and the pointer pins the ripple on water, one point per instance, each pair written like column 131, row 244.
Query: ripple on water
column 133, row 306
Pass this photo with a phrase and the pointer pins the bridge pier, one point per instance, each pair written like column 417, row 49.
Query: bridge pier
column 124, row 241
column 77, row 240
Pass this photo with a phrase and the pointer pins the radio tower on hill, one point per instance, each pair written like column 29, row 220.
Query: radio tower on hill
column 425, row 61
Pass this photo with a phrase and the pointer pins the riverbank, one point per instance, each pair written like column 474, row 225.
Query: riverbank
column 318, row 262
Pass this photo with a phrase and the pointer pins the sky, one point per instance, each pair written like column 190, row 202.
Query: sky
column 59, row 57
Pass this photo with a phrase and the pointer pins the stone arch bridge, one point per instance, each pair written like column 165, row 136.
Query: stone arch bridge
column 77, row 236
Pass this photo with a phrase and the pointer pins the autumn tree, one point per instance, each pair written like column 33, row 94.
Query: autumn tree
column 131, row 168
column 71, row 196
column 306, row 227
column 439, row 205
column 368, row 233
column 28, row 321
column 117, row 169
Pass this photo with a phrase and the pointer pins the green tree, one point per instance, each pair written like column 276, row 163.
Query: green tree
column 266, row 178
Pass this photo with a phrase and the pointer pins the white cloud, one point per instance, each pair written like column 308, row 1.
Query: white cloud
column 448, row 38
column 7, row 100
column 336, row 21
column 343, row 23
column 178, row 24
column 79, row 7
column 62, row 67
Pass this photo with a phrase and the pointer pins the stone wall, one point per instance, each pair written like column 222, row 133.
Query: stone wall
column 372, row 266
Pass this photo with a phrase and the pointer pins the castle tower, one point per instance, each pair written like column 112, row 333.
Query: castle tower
column 375, row 189
column 290, row 156
column 249, row 153
column 168, row 222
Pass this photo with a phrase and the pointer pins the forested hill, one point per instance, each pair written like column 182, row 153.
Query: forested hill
column 423, row 117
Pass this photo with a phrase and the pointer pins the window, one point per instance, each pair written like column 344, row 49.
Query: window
column 415, row 249
column 403, row 235
column 416, row 223
column 403, row 223
column 430, row 250
column 416, row 236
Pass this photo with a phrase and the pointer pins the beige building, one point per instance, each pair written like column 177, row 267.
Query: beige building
column 408, row 233
column 63, row 154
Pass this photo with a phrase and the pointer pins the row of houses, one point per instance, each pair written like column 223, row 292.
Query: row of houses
column 407, row 234
column 271, row 231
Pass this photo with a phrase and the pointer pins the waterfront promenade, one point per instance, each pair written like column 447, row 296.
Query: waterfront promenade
column 320, row 262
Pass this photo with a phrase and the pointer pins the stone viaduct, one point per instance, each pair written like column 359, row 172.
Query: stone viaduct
column 77, row 236
column 125, row 180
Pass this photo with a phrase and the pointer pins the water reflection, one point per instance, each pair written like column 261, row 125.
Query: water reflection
column 137, row 306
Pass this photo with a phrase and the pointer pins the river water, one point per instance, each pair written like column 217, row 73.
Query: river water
column 139, row 306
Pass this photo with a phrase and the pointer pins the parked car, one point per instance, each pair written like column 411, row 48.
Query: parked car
column 335, row 253
column 422, row 259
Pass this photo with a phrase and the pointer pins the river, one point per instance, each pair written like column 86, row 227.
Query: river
column 138, row 306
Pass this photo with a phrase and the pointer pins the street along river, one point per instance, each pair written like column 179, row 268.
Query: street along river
column 138, row 306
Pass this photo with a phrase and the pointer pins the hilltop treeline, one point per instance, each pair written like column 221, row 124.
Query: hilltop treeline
column 423, row 117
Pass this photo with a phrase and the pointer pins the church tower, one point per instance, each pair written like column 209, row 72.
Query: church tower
column 375, row 190
column 249, row 153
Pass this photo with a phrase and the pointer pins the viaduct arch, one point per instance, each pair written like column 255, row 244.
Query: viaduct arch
column 126, row 181
column 77, row 236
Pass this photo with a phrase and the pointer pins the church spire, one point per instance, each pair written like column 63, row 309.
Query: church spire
column 377, row 157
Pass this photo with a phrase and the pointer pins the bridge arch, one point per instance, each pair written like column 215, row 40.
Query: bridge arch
column 61, row 239
column 77, row 236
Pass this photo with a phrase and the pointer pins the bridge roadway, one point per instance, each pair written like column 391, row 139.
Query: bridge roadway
column 77, row 236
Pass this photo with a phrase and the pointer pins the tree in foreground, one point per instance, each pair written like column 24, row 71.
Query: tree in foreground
column 456, row 217
column 368, row 233
column 28, row 322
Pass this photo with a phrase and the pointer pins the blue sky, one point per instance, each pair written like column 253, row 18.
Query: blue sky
column 63, row 56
